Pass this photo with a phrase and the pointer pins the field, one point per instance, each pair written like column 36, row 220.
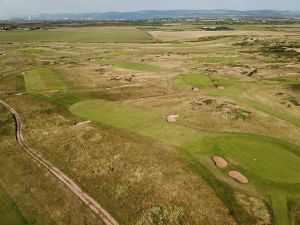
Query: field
column 95, row 100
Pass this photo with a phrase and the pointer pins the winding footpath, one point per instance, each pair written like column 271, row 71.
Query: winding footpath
column 68, row 182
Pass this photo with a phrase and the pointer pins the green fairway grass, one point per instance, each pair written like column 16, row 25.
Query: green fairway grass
column 134, row 120
column 92, row 34
column 187, row 80
column 280, row 209
column 133, row 65
column 42, row 80
column 265, row 157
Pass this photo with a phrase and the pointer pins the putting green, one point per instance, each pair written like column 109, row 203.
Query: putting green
column 42, row 80
column 264, row 157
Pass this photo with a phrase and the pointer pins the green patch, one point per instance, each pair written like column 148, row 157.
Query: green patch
column 263, row 157
column 143, row 122
column 43, row 52
column 295, row 87
column 184, row 80
column 80, row 34
column 62, row 100
column 280, row 210
column 132, row 65
column 9, row 211
column 43, row 80
column 20, row 83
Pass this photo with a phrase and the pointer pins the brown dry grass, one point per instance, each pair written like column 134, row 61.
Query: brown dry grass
column 192, row 35
column 34, row 191
column 256, row 208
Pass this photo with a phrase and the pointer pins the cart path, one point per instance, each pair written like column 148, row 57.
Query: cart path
column 68, row 182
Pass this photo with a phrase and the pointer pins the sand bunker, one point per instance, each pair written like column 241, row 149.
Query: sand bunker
column 80, row 123
column 172, row 118
column 221, row 87
column 195, row 88
column 220, row 162
column 238, row 176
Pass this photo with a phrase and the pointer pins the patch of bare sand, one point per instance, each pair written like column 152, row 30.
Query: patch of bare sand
column 172, row 118
column 294, row 49
column 220, row 162
column 80, row 123
column 238, row 176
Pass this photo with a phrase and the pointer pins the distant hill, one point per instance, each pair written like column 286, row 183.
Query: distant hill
column 170, row 14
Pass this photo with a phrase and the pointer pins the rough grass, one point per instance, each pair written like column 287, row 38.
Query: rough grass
column 194, row 35
column 133, row 65
column 28, row 193
column 266, row 109
column 10, row 214
column 294, row 208
column 42, row 80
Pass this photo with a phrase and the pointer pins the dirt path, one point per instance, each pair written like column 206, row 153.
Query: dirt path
column 68, row 182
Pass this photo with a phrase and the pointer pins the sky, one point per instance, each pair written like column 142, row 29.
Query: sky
column 11, row 8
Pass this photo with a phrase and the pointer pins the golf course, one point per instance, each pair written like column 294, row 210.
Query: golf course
column 151, row 123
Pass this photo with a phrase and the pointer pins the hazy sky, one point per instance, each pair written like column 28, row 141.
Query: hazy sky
column 10, row 8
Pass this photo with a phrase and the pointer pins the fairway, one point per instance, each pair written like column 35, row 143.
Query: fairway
column 143, row 122
column 42, row 80
column 218, row 60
